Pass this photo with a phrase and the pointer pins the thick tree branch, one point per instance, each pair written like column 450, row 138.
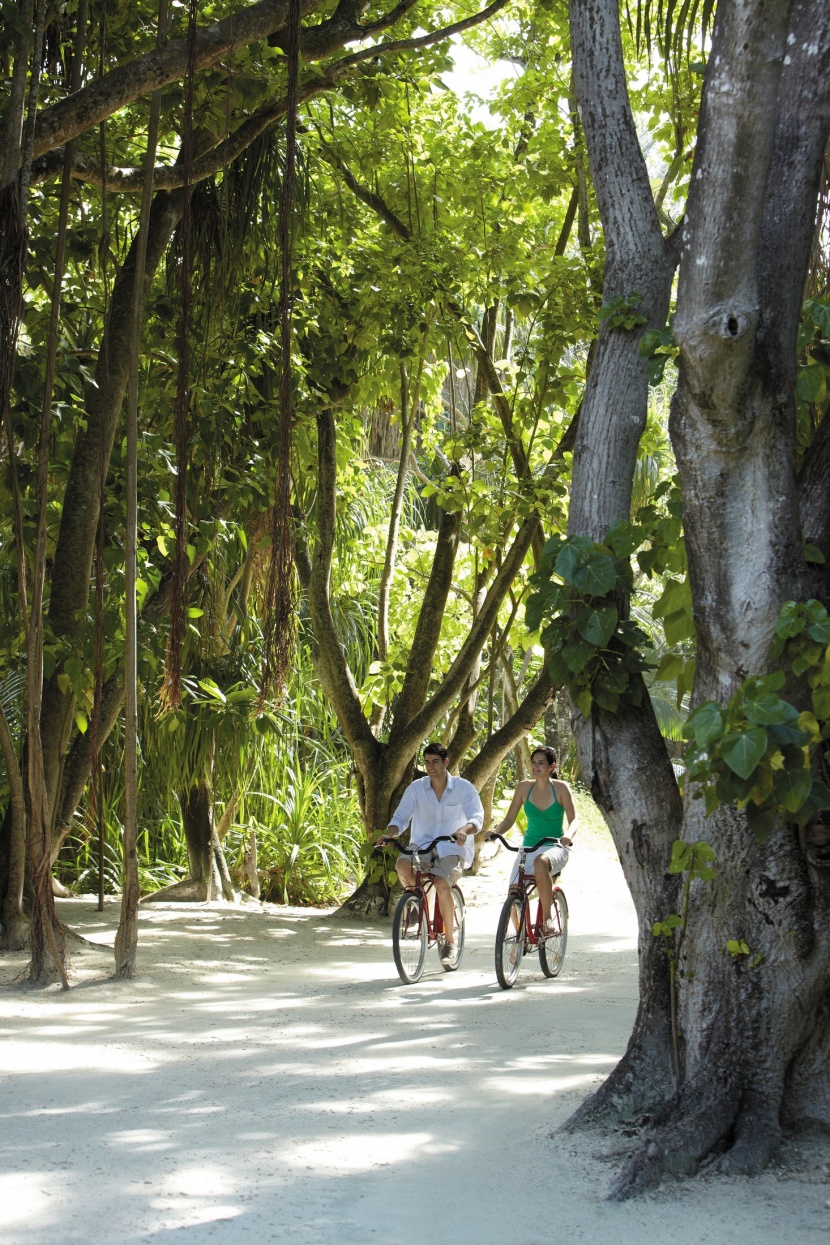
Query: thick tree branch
column 335, row 674
column 718, row 296
column 113, row 91
column 484, row 765
column 428, row 628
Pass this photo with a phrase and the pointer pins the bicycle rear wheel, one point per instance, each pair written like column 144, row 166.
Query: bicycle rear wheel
column 552, row 946
column 409, row 938
column 459, row 918
column 510, row 941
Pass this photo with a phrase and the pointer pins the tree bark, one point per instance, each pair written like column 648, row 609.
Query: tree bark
column 754, row 1037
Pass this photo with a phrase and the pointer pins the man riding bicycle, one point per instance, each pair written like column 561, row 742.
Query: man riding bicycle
column 439, row 804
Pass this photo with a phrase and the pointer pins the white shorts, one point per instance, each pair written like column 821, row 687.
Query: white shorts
column 557, row 857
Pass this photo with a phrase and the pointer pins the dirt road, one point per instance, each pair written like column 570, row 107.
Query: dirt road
column 268, row 1079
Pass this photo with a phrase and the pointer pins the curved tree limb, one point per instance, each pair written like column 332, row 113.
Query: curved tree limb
column 113, row 91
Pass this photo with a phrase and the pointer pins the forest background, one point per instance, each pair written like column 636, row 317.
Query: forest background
column 309, row 361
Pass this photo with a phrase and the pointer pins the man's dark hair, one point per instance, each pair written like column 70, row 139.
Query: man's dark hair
column 436, row 750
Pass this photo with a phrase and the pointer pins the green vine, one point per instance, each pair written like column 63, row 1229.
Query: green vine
column 756, row 752
column 591, row 649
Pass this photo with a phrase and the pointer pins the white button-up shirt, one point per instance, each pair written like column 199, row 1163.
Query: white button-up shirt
column 459, row 806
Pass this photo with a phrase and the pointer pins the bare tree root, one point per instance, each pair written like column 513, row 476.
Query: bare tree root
column 370, row 899
column 17, row 934
column 641, row 1080
column 695, row 1124
column 186, row 891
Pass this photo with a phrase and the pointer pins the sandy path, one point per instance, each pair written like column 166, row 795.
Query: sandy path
column 268, row 1079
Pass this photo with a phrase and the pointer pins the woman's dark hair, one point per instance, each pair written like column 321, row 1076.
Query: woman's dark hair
column 436, row 750
column 547, row 753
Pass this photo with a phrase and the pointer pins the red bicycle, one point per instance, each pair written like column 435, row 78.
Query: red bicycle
column 518, row 932
column 418, row 924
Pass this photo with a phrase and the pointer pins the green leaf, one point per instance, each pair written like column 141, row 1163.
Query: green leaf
column 742, row 750
column 557, row 668
column 821, row 702
column 678, row 627
column 535, row 610
column 578, row 654
column 811, row 383
column 790, row 620
column 596, row 624
column 584, row 701
column 706, row 723
column 595, row 576
column 208, row 685
column 571, row 555
column 792, row 786
column 681, row 856
column 813, row 554
column 770, row 710
column 819, row 630
column 761, row 819
column 671, row 665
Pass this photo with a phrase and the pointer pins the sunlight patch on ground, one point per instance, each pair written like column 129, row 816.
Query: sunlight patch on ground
column 276, row 1003
column 43, row 1057
column 141, row 1140
column 356, row 1152
column 542, row 1085
column 23, row 1196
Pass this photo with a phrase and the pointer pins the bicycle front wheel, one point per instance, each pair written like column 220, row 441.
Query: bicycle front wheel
column 510, row 941
column 552, row 946
column 409, row 938
column 459, row 918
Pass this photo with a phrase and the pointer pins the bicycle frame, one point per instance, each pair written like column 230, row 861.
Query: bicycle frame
column 431, row 913
column 525, row 888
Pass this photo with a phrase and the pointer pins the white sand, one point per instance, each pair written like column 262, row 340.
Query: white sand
column 267, row 1078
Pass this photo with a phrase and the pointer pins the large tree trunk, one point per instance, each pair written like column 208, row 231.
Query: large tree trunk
column 209, row 873
column 755, row 1044
column 622, row 756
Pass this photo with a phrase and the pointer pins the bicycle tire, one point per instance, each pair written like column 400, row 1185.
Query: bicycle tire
column 552, row 947
column 510, row 941
column 409, row 938
column 459, row 921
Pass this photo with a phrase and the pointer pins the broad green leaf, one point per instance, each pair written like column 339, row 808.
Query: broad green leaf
column 595, row 576
column 681, row 856
column 571, row 554
column 742, row 750
column 819, row 631
column 770, row 710
column 596, row 624
column 677, row 595
column 790, row 620
column 792, row 786
column 706, row 723
column 821, row 702
column 761, row 820
column 578, row 654
column 678, row 627
column 811, row 383
column 671, row 665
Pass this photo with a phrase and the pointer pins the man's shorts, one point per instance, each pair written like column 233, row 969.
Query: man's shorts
column 448, row 867
column 556, row 857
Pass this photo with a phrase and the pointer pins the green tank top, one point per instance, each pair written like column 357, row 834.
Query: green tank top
column 543, row 823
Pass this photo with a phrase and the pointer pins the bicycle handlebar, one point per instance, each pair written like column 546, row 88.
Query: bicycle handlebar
column 495, row 835
column 417, row 851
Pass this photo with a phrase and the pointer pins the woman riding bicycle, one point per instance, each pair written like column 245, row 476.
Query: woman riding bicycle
column 547, row 802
